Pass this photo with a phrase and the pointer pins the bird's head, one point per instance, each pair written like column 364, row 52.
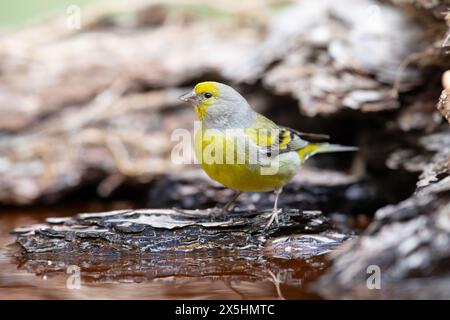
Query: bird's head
column 216, row 100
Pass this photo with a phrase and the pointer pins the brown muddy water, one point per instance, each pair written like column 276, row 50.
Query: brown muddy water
column 125, row 278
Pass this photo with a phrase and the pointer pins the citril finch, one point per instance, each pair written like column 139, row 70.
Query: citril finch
column 242, row 149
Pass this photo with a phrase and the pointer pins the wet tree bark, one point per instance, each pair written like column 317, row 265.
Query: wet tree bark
column 98, row 106
column 158, row 243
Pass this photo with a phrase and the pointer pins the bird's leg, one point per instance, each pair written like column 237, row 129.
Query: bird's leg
column 228, row 205
column 216, row 212
column 276, row 279
column 275, row 210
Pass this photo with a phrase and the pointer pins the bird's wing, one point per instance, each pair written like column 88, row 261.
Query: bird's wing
column 273, row 138
column 311, row 137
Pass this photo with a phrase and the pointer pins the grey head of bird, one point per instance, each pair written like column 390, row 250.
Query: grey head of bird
column 219, row 106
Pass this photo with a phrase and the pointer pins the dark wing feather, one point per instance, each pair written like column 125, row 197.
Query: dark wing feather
column 311, row 137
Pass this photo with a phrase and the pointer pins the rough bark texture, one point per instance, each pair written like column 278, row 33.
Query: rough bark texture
column 158, row 243
column 334, row 55
column 98, row 106
column 409, row 241
column 366, row 72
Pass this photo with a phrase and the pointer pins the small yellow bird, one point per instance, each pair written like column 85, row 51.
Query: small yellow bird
column 243, row 150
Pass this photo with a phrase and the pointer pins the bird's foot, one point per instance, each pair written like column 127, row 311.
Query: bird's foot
column 276, row 280
column 273, row 216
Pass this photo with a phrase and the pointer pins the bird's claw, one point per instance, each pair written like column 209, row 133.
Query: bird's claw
column 273, row 216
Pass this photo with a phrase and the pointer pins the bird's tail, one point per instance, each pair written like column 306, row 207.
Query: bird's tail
column 315, row 148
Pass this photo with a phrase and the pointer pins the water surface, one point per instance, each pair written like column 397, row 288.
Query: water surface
column 123, row 277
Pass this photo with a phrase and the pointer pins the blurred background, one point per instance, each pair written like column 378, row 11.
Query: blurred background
column 89, row 99
column 17, row 13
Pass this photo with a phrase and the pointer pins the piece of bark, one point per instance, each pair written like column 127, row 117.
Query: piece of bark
column 110, row 136
column 419, row 111
column 98, row 105
column 434, row 7
column 443, row 104
column 108, row 122
column 331, row 56
column 408, row 242
column 73, row 66
column 422, row 153
column 160, row 243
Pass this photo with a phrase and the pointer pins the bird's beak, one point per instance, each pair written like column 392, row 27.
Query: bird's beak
column 190, row 97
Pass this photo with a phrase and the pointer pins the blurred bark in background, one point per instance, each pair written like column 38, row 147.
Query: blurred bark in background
column 97, row 106
column 410, row 241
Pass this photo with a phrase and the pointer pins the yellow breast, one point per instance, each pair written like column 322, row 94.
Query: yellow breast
column 225, row 163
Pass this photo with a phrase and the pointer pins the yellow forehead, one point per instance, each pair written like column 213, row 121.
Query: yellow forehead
column 208, row 86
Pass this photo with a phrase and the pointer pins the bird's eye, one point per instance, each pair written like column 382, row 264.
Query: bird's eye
column 207, row 95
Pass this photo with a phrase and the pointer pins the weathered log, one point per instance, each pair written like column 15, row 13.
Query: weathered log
column 409, row 242
column 155, row 243
column 444, row 101
column 71, row 67
column 107, row 121
column 331, row 56
column 98, row 106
